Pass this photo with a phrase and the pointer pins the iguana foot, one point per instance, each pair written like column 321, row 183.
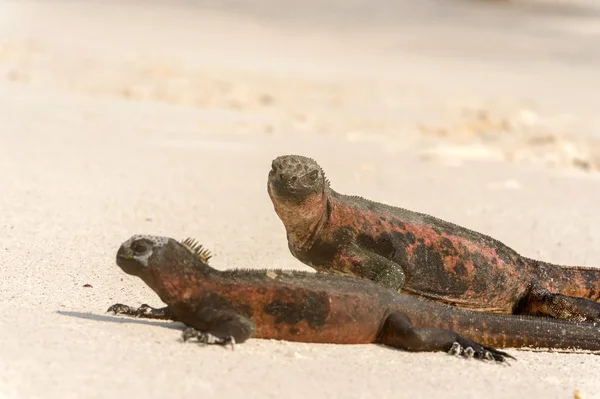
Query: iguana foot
column 541, row 302
column 207, row 338
column 470, row 349
column 144, row 311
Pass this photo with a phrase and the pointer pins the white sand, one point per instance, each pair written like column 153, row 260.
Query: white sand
column 164, row 120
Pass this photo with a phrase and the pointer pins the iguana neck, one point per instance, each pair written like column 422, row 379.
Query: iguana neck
column 302, row 221
column 181, row 278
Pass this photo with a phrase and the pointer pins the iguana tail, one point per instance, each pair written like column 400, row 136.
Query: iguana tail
column 506, row 331
column 578, row 281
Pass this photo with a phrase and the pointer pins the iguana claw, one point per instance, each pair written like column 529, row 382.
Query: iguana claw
column 207, row 338
column 474, row 350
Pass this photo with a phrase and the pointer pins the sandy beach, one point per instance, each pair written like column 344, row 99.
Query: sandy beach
column 163, row 118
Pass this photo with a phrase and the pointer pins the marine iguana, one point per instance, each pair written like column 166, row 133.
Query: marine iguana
column 419, row 254
column 231, row 306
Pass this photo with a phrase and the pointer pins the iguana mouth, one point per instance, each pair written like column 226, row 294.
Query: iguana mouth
column 124, row 257
column 127, row 262
column 284, row 189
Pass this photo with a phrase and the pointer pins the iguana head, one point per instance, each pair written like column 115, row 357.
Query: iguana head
column 295, row 177
column 296, row 186
column 163, row 263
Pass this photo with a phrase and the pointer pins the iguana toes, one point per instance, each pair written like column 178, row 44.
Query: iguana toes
column 420, row 254
column 222, row 307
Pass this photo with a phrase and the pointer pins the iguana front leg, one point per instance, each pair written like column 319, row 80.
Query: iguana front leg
column 214, row 326
column 144, row 312
column 364, row 263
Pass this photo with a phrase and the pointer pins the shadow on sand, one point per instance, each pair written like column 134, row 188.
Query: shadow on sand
column 123, row 319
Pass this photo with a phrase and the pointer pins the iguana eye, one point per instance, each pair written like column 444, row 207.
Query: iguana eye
column 139, row 247
column 313, row 175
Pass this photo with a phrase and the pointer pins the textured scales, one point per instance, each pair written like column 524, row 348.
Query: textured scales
column 231, row 306
column 419, row 254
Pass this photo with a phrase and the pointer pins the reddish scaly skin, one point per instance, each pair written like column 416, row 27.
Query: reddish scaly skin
column 265, row 299
column 420, row 254
column 234, row 305
column 436, row 264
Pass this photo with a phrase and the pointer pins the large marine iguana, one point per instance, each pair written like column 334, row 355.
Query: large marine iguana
column 419, row 254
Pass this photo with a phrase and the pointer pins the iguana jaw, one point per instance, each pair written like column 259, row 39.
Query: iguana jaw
column 287, row 192
column 127, row 262
column 300, row 218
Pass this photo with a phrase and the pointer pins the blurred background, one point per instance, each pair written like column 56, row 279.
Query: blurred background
column 455, row 79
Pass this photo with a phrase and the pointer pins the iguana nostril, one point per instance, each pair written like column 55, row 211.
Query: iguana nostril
column 294, row 178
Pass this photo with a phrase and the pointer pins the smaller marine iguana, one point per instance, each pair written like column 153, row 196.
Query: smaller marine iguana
column 225, row 307
column 419, row 254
